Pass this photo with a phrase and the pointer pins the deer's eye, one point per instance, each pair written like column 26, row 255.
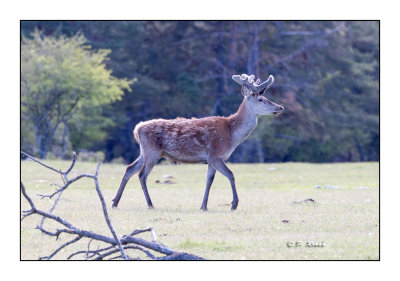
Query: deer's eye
column 260, row 100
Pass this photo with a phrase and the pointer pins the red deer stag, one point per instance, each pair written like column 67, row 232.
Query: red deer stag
column 209, row 140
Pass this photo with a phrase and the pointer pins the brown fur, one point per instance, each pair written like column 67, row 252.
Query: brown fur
column 191, row 140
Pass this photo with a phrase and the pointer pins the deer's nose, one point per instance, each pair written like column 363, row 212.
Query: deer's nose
column 281, row 108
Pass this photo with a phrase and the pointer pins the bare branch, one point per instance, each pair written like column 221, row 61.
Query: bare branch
column 61, row 247
column 148, row 253
column 115, row 244
column 103, row 204
column 92, row 252
column 67, row 183
column 28, row 198
column 41, row 163
column 72, row 164
column 56, row 233
column 52, row 208
column 179, row 257
column 137, row 231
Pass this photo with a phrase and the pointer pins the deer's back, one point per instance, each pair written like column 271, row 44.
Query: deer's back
column 186, row 140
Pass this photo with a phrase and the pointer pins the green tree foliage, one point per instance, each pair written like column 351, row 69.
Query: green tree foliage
column 326, row 76
column 64, row 81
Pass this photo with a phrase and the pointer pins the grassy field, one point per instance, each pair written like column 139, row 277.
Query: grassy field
column 271, row 212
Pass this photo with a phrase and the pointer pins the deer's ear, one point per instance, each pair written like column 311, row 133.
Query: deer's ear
column 245, row 91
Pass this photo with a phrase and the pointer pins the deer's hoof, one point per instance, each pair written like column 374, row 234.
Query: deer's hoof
column 234, row 205
column 203, row 208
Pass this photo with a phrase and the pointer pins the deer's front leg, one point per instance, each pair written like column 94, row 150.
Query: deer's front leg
column 221, row 167
column 210, row 178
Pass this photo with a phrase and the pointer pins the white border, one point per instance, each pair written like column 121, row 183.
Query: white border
column 14, row 11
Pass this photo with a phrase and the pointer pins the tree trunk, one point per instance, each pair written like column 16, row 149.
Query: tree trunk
column 254, row 53
column 220, row 80
column 42, row 142
column 44, row 134
column 360, row 152
column 253, row 67
column 65, row 141
column 233, row 54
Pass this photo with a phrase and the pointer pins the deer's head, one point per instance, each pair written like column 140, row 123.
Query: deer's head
column 253, row 92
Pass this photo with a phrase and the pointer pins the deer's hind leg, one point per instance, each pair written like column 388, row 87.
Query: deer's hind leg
column 130, row 171
column 150, row 160
column 210, row 178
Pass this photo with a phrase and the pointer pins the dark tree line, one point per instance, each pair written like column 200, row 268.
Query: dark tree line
column 326, row 76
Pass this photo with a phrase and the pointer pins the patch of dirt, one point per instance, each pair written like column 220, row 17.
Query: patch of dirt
column 165, row 182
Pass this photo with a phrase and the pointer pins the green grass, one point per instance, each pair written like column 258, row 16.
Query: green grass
column 346, row 219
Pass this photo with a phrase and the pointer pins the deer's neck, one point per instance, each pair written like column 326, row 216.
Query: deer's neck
column 243, row 123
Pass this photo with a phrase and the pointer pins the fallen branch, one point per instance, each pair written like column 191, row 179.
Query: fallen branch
column 114, row 245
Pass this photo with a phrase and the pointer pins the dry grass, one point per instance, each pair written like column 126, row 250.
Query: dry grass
column 346, row 219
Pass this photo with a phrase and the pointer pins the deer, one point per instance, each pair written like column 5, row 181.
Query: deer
column 208, row 140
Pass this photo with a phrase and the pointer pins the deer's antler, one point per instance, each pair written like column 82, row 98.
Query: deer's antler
column 255, row 87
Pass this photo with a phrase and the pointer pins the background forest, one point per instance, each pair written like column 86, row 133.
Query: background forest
column 86, row 84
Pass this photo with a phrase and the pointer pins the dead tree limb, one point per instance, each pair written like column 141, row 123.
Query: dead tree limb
column 114, row 244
